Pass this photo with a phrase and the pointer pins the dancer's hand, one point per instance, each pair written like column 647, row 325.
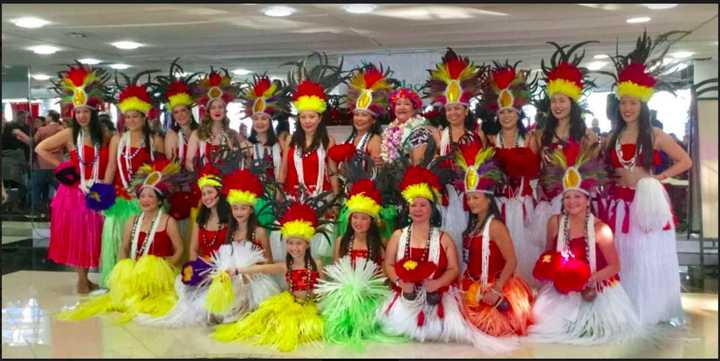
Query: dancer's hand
column 406, row 287
column 431, row 285
column 489, row 298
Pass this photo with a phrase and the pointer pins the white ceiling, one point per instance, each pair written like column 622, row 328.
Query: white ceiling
column 241, row 36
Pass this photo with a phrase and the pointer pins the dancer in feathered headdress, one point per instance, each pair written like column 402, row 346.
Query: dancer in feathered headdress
column 135, row 147
column 76, row 226
column 565, row 84
column 142, row 280
column 507, row 91
column 584, row 302
column 452, row 84
column 291, row 317
column 495, row 301
column 640, row 211
column 213, row 92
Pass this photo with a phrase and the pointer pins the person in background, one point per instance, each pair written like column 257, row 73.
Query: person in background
column 42, row 177
column 15, row 153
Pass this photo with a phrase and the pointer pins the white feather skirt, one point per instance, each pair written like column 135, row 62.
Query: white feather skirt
column 454, row 217
column 518, row 222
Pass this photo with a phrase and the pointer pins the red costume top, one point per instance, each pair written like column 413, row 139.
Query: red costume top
column 88, row 157
column 628, row 151
column 474, row 267
column 161, row 245
column 210, row 241
column 310, row 173
column 301, row 280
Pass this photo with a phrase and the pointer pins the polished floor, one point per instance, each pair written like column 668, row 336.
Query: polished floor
column 31, row 298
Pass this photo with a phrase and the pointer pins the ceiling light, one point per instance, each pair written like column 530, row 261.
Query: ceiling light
column 126, row 45
column 241, row 71
column 601, row 56
column 119, row 66
column 90, row 61
column 359, row 8
column 659, row 6
column 30, row 22
column 44, row 49
column 279, row 11
column 638, row 20
column 682, row 54
column 596, row 65
column 40, row 76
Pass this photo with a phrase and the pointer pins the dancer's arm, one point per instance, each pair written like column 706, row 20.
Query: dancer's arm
column 605, row 244
column 389, row 263
column 500, row 234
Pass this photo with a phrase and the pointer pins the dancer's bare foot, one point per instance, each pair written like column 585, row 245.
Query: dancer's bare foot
column 86, row 287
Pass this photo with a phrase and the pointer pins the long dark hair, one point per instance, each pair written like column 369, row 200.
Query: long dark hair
column 645, row 139
column 321, row 135
column 271, row 137
column 493, row 210
column 223, row 211
column 252, row 224
column 309, row 260
column 577, row 125
column 176, row 127
column 96, row 132
column 374, row 129
column 374, row 242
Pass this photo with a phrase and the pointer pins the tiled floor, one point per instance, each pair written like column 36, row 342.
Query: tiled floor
column 30, row 298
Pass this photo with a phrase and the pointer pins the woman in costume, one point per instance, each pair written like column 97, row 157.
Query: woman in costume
column 306, row 169
column 507, row 91
column 264, row 100
column 142, row 280
column 76, row 229
column 451, row 86
column 410, row 133
column 584, row 301
column 422, row 264
column 128, row 152
column 495, row 301
column 566, row 83
column 367, row 96
column 291, row 317
column 210, row 143
column 177, row 95
column 210, row 230
column 640, row 211
column 207, row 293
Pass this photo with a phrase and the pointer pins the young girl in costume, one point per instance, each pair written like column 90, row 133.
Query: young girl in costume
column 291, row 317
column 76, row 229
column 142, row 280
column 128, row 152
column 210, row 230
column 207, row 293
column 495, row 301
column 584, row 301
column 640, row 211
column 355, row 286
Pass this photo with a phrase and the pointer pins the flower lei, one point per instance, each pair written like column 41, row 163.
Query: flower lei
column 395, row 136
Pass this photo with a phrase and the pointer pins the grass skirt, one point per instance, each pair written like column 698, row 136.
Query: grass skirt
column 349, row 299
column 454, row 217
column 112, row 233
column 280, row 321
column 493, row 322
column 75, row 229
column 145, row 286
column 559, row 318
column 519, row 223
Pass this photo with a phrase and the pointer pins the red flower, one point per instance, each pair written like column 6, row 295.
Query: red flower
column 410, row 270
column 546, row 266
column 572, row 275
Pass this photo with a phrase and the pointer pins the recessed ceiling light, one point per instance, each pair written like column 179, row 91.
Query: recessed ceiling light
column 359, row 8
column 241, row 71
column 596, row 65
column 30, row 22
column 44, row 49
column 638, row 20
column 279, row 11
column 119, row 66
column 90, row 61
column 601, row 56
column 126, row 45
column 682, row 54
column 659, row 6
column 40, row 76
